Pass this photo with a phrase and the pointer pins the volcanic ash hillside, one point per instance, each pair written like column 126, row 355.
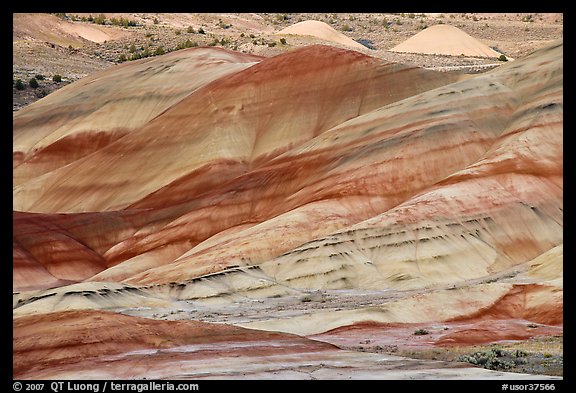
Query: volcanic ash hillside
column 316, row 190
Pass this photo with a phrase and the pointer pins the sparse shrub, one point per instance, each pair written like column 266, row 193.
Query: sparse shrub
column 39, row 77
column 190, row 30
column 156, row 21
column 132, row 48
column 201, row 31
column 187, row 44
column 33, row 83
column 223, row 25
column 159, row 51
column 495, row 359
column 57, row 78
column 177, row 32
column 100, row 19
column 272, row 44
column 20, row 85
column 503, row 58
column 346, row 28
column 283, row 41
column 122, row 58
column 421, row 332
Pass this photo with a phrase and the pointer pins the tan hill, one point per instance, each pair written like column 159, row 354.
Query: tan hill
column 50, row 28
column 320, row 192
column 443, row 39
column 320, row 30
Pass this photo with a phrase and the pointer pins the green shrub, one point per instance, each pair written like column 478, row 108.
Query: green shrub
column 190, row 30
column 33, row 83
column 159, row 51
column 201, row 31
column 503, row 58
column 283, row 41
column 100, row 19
column 495, row 359
column 421, row 332
column 39, row 77
column 122, row 58
column 20, row 85
column 187, row 44
column 57, row 78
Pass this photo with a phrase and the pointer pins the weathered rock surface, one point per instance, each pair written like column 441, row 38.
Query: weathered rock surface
column 313, row 191
column 104, row 345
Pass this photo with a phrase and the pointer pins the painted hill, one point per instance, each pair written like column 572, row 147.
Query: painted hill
column 445, row 39
column 317, row 193
column 320, row 30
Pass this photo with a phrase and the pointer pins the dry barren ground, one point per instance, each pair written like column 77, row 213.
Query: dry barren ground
column 71, row 46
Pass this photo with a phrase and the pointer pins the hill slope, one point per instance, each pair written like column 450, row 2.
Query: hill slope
column 315, row 190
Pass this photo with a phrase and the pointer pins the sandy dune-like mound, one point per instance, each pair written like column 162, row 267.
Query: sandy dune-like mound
column 320, row 30
column 316, row 190
column 50, row 28
column 445, row 40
